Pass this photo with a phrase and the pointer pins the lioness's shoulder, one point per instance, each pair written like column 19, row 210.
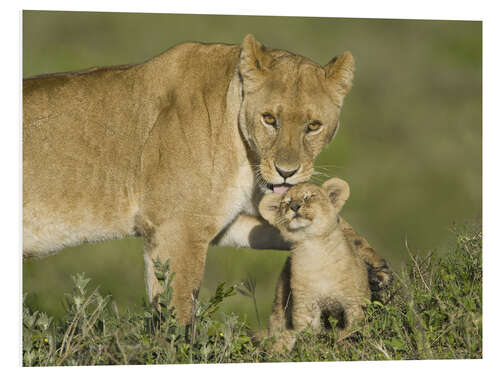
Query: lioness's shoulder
column 198, row 55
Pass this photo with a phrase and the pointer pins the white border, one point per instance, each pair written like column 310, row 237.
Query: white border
column 423, row 9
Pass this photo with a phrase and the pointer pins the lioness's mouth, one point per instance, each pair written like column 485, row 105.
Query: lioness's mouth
column 280, row 189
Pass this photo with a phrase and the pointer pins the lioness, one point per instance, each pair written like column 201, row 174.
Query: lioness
column 323, row 276
column 178, row 150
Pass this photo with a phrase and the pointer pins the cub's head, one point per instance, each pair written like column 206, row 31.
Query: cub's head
column 305, row 210
column 290, row 110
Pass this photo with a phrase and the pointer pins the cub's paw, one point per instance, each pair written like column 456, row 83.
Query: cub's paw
column 281, row 344
column 380, row 277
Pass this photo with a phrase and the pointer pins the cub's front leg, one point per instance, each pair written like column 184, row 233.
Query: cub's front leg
column 293, row 311
column 305, row 313
column 379, row 273
column 280, row 318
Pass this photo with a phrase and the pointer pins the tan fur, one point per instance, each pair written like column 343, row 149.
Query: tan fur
column 323, row 275
column 379, row 273
column 173, row 150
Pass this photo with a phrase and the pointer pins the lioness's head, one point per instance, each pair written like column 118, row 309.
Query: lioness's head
column 290, row 110
column 306, row 210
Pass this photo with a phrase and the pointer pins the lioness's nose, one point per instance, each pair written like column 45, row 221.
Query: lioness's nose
column 295, row 207
column 285, row 173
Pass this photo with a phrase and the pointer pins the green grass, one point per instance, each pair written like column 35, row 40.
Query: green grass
column 432, row 311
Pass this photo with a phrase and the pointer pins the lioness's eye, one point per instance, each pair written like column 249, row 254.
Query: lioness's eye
column 269, row 119
column 313, row 126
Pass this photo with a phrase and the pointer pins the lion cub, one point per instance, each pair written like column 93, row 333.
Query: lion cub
column 323, row 276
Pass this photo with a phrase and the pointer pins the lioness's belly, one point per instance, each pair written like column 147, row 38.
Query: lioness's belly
column 50, row 225
column 44, row 238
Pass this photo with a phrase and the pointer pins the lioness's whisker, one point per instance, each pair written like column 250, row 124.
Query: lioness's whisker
column 322, row 174
column 328, row 166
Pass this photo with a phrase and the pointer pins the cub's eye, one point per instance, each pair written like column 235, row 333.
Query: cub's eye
column 308, row 196
column 313, row 126
column 269, row 119
column 286, row 202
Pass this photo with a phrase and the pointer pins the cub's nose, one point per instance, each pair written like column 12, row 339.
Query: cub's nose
column 295, row 207
column 285, row 173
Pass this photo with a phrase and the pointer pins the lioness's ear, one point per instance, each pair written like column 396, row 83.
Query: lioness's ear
column 338, row 191
column 340, row 72
column 269, row 206
column 253, row 59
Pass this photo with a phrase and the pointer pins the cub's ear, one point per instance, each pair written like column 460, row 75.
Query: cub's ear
column 338, row 191
column 340, row 72
column 269, row 206
column 253, row 59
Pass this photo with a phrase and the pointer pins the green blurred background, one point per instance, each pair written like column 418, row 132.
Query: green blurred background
column 409, row 145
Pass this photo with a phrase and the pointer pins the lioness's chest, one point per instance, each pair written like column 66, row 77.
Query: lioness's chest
column 240, row 194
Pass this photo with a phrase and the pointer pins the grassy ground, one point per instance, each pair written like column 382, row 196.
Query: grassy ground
column 432, row 311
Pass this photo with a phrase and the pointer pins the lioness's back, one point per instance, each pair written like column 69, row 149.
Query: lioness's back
column 84, row 134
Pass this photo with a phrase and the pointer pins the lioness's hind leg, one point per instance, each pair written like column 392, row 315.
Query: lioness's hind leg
column 379, row 273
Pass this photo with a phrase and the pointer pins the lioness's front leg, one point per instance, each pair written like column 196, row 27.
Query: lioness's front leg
column 251, row 232
column 379, row 273
column 187, row 253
